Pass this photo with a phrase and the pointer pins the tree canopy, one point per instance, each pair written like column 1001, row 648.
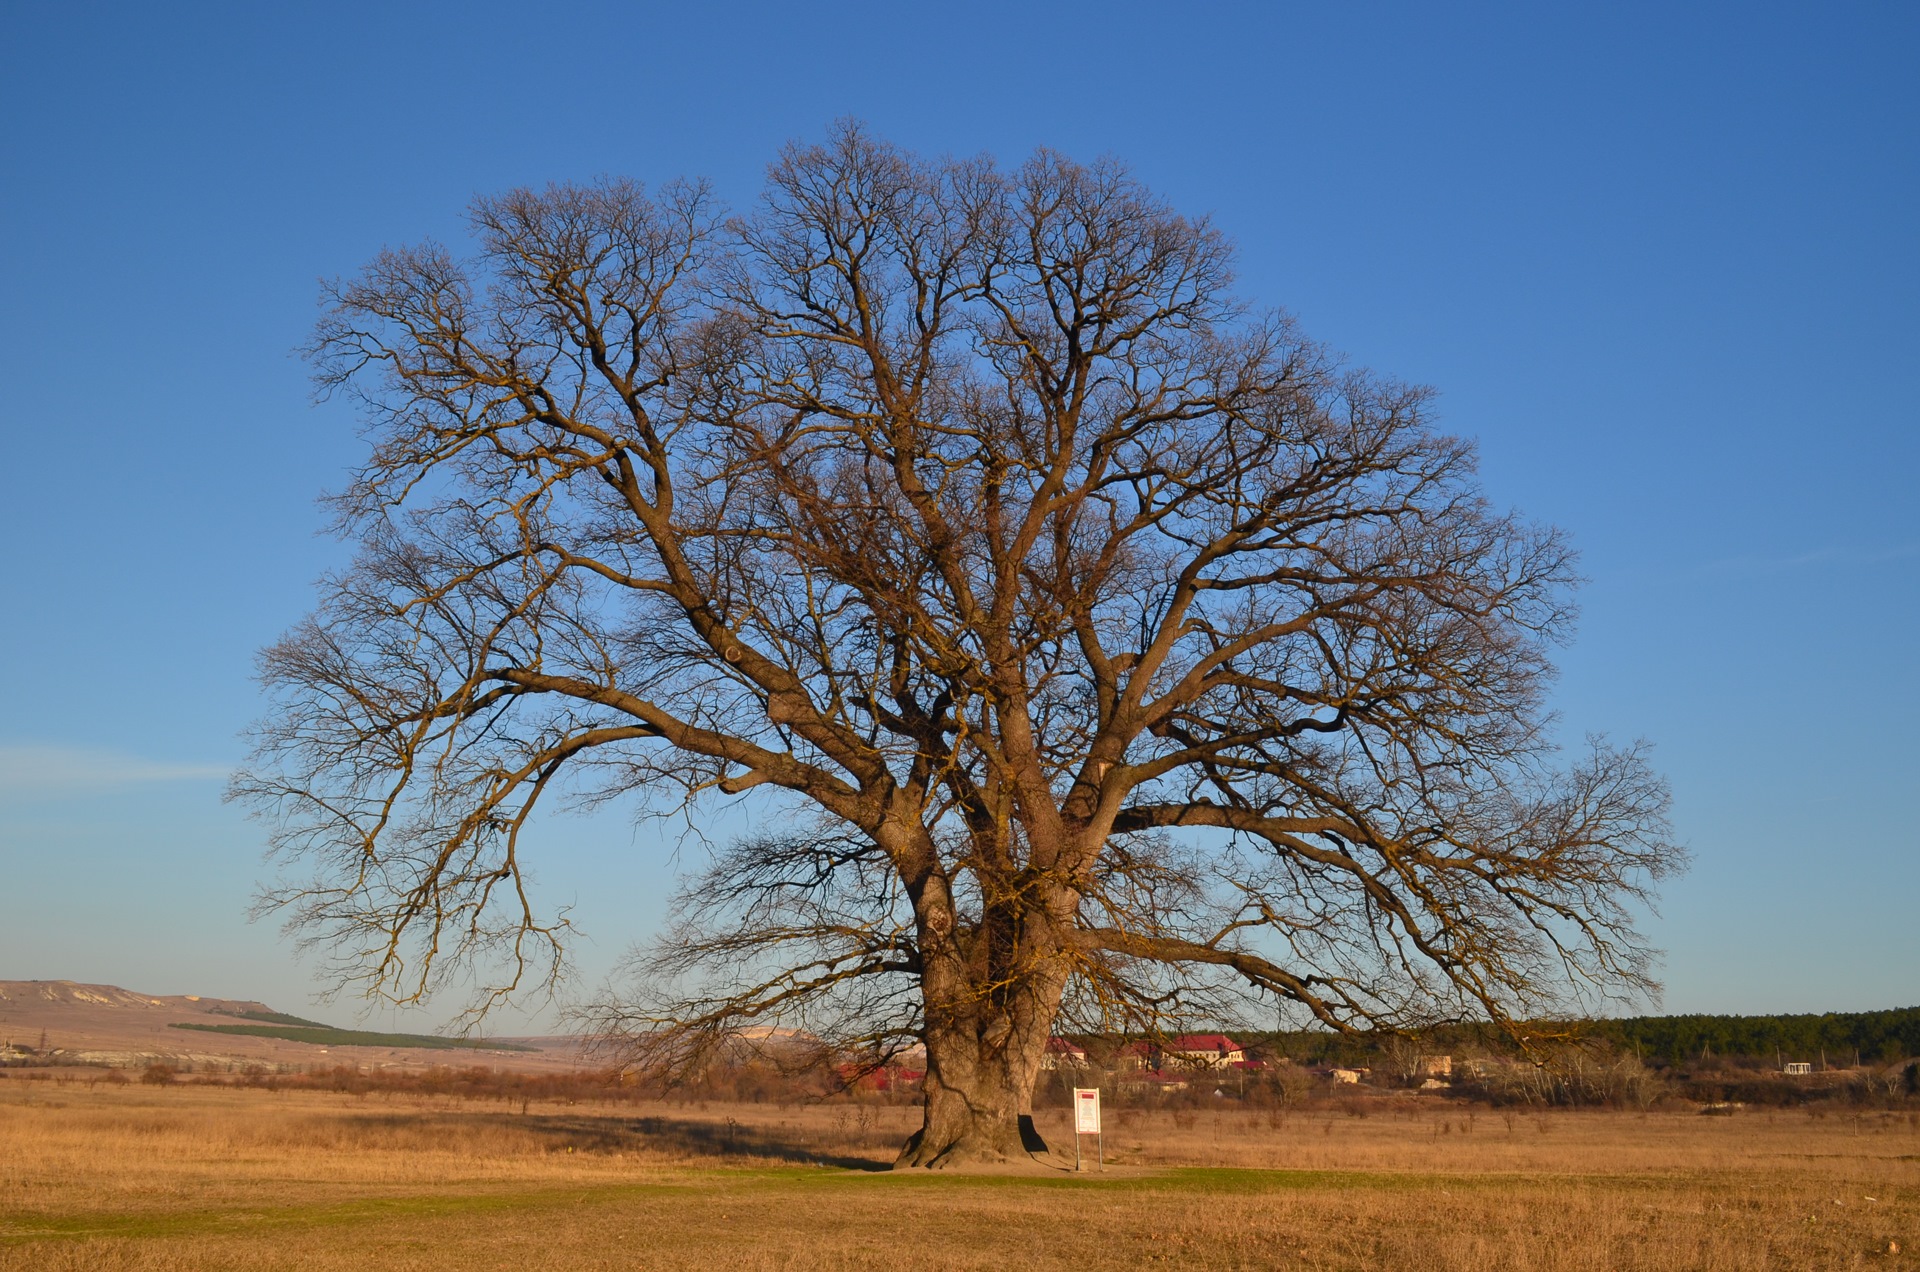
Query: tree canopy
column 1093, row 640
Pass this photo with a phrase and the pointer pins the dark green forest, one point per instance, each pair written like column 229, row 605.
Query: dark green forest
column 1837, row 1038
column 274, row 1024
column 1831, row 1038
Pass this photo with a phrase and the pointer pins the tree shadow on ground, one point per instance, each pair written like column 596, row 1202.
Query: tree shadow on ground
column 693, row 1137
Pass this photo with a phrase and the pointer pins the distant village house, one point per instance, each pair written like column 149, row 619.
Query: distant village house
column 1203, row 1051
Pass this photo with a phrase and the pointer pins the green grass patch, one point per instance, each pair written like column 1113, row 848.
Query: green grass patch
column 327, row 1036
column 19, row 1228
column 1164, row 1179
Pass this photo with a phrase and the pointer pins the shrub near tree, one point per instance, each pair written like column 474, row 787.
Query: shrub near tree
column 1099, row 646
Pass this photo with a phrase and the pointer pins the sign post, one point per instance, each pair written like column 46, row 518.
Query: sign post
column 1086, row 1121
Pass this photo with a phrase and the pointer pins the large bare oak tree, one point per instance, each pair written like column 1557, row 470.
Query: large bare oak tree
column 1098, row 643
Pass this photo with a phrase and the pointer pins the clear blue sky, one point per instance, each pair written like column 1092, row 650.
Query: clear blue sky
column 1662, row 260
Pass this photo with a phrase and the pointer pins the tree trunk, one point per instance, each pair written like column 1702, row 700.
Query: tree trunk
column 982, row 1061
column 977, row 1101
column 991, row 999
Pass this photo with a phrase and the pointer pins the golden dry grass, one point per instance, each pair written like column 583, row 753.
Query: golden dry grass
column 201, row 1177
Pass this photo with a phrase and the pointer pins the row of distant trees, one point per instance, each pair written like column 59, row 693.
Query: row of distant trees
column 1583, row 1074
column 1837, row 1038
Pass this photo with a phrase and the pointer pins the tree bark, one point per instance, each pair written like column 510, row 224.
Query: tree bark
column 977, row 1103
column 983, row 1055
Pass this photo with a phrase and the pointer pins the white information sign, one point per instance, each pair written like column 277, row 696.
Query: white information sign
column 1086, row 1110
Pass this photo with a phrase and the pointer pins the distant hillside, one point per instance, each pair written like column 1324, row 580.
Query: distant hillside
column 35, row 994
column 68, row 1022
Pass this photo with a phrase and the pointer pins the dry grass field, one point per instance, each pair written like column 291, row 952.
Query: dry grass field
column 189, row 1177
